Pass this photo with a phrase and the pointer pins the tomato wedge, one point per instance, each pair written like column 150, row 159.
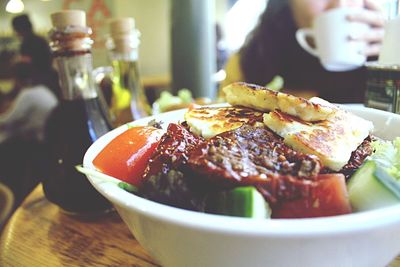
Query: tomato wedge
column 328, row 197
column 127, row 155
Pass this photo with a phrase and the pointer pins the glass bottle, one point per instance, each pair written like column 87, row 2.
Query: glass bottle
column 77, row 121
column 129, row 100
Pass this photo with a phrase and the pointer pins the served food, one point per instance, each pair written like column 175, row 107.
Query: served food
column 332, row 140
column 260, row 98
column 304, row 158
column 208, row 122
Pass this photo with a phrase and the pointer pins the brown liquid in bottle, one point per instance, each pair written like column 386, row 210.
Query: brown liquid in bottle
column 71, row 129
column 76, row 123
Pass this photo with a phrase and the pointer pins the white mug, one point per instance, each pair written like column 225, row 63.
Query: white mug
column 331, row 33
column 390, row 51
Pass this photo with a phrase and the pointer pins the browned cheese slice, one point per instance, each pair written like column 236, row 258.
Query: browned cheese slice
column 332, row 140
column 264, row 99
column 210, row 121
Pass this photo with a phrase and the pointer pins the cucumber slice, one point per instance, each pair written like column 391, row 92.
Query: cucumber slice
column 385, row 178
column 366, row 190
column 243, row 202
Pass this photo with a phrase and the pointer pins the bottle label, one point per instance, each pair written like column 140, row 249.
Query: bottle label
column 383, row 89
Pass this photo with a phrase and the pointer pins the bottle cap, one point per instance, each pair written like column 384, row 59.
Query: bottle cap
column 124, row 35
column 66, row 18
column 121, row 27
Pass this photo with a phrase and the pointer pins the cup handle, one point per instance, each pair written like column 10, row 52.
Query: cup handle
column 301, row 37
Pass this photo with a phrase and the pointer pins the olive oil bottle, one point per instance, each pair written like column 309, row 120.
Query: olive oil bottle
column 128, row 100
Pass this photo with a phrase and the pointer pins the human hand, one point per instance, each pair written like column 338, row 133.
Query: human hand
column 372, row 15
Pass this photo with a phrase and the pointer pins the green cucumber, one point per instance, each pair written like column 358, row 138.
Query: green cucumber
column 368, row 188
column 389, row 181
column 242, row 202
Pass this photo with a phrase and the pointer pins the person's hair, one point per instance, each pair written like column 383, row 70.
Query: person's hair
column 253, row 56
column 22, row 24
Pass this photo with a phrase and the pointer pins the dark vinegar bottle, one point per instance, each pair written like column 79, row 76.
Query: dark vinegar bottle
column 78, row 120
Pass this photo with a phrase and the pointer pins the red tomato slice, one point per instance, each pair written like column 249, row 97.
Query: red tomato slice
column 127, row 155
column 329, row 197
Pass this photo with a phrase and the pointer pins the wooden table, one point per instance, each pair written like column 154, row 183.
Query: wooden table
column 38, row 234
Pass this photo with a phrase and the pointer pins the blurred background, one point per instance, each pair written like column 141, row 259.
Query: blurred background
column 183, row 44
column 153, row 19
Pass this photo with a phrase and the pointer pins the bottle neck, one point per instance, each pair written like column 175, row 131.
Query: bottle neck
column 123, row 52
column 130, row 55
column 124, row 46
column 71, row 49
column 126, row 77
column 128, row 91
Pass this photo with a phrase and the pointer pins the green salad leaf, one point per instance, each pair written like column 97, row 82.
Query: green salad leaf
column 128, row 187
column 185, row 95
column 167, row 99
column 276, row 83
column 387, row 155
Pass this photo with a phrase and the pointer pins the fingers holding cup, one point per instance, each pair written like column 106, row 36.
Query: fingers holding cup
column 372, row 16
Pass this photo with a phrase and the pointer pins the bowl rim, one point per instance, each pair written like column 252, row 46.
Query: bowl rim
column 332, row 225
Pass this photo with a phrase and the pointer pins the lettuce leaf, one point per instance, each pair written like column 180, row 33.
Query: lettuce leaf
column 387, row 155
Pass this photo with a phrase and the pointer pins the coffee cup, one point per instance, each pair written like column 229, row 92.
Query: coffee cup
column 331, row 32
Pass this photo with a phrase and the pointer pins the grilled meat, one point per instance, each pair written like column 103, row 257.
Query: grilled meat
column 163, row 181
column 173, row 150
column 249, row 156
column 357, row 157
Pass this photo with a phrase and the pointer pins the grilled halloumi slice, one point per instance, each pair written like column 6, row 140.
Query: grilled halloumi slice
column 210, row 121
column 332, row 140
column 264, row 99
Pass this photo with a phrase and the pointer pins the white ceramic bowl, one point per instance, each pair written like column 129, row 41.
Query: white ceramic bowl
column 176, row 237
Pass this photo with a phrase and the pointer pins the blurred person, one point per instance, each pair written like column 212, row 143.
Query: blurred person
column 22, row 123
column 29, row 109
column 34, row 50
column 271, row 49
